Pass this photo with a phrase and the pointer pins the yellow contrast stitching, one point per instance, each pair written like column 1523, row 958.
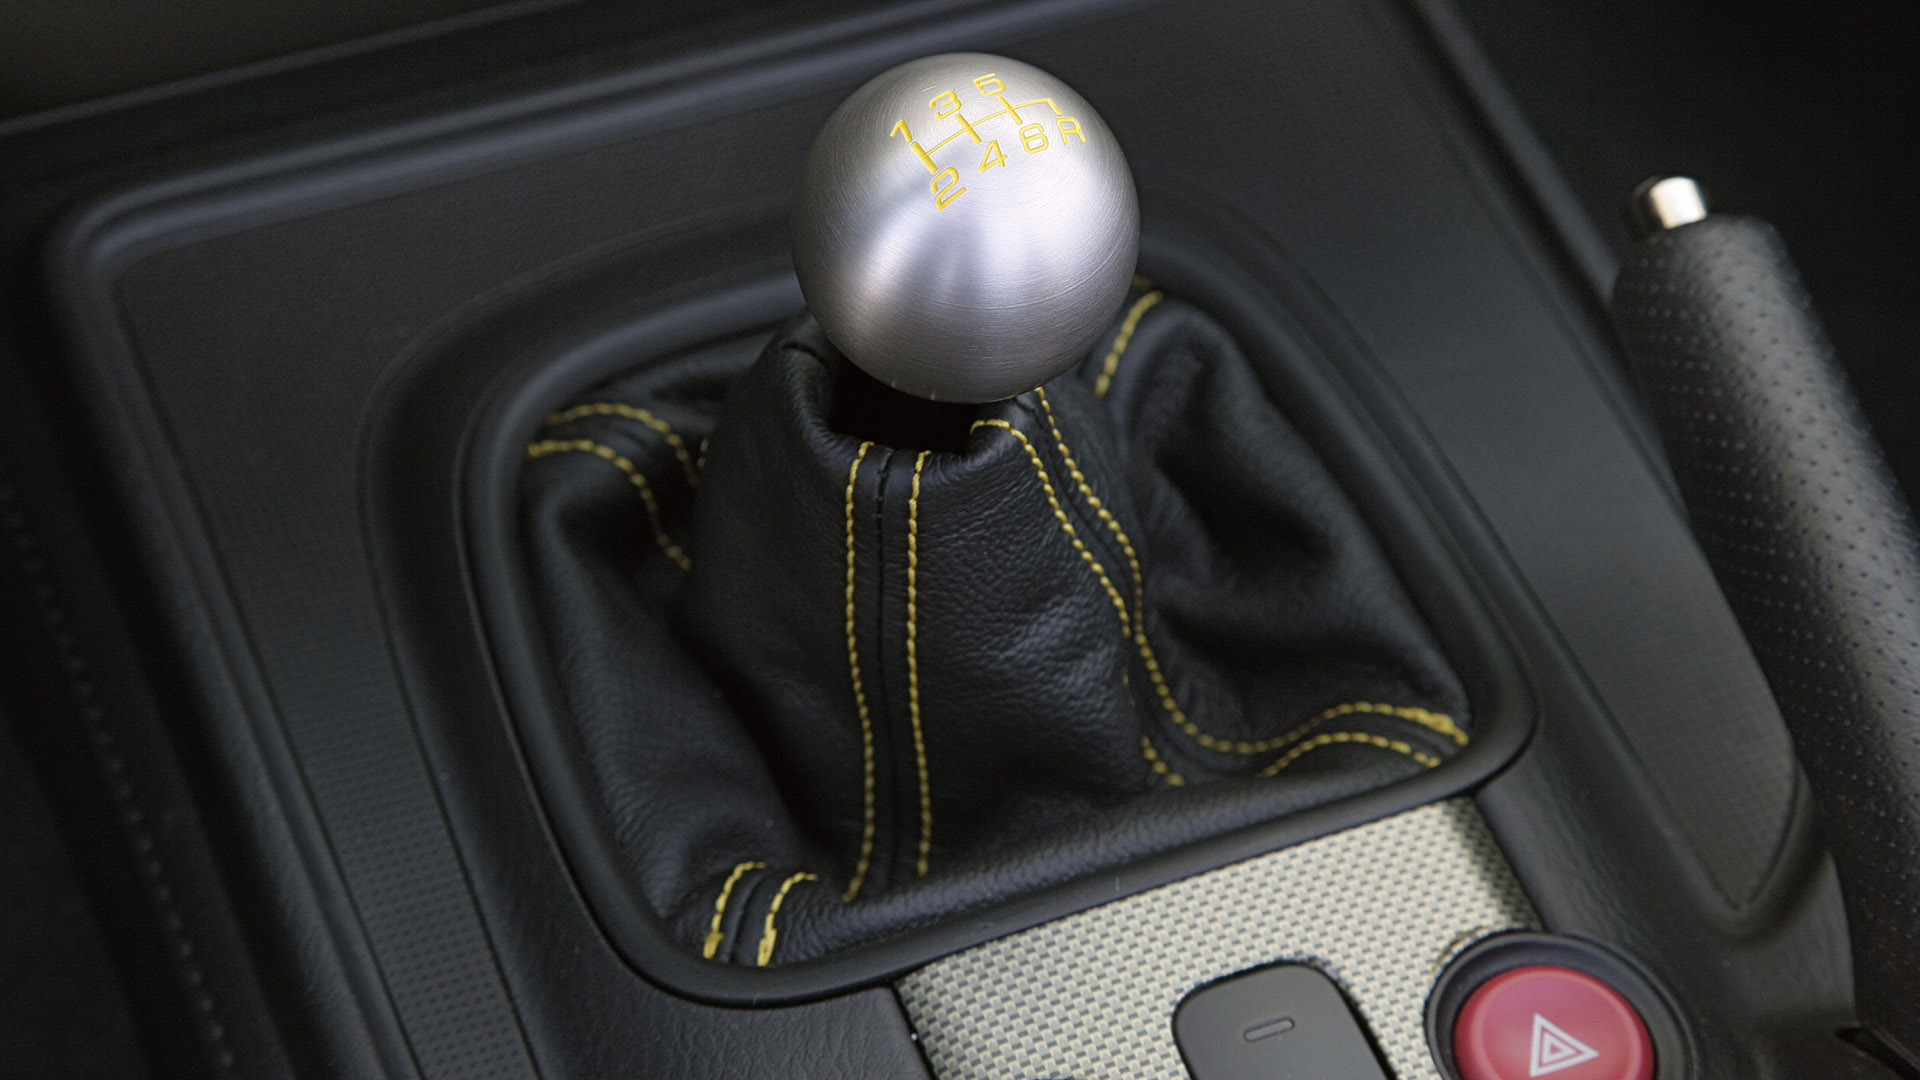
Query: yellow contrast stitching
column 1145, row 647
column 769, row 935
column 1430, row 720
column 634, row 412
column 1121, row 340
column 609, row 454
column 714, row 936
column 860, row 704
column 1160, row 767
column 1438, row 722
column 1147, row 656
column 1053, row 500
column 1162, row 690
column 1099, row 508
column 913, row 667
column 1333, row 737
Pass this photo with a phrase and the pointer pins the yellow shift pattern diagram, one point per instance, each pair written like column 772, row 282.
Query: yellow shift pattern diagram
column 1033, row 135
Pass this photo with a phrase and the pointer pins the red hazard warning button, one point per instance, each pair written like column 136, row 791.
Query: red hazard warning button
column 1550, row 1021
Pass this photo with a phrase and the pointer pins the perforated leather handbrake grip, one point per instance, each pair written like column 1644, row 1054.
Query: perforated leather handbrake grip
column 1815, row 549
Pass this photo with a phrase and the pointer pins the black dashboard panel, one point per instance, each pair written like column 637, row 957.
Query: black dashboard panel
column 286, row 354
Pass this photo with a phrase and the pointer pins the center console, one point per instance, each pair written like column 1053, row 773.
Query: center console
column 599, row 669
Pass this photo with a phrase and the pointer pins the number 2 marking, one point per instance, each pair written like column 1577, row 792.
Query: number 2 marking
column 946, row 188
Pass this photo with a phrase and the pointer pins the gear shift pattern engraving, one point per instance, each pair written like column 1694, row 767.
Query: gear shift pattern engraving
column 1032, row 136
column 978, row 258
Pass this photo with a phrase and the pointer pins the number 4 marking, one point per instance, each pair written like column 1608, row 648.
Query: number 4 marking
column 993, row 158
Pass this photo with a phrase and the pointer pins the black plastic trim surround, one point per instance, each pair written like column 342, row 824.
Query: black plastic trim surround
column 336, row 653
column 1303, row 378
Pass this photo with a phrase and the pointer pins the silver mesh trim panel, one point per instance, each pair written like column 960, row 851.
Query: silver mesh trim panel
column 1379, row 908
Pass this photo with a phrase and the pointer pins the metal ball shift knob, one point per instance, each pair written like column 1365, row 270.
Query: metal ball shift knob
column 965, row 227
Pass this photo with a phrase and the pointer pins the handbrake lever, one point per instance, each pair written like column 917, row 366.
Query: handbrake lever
column 1811, row 540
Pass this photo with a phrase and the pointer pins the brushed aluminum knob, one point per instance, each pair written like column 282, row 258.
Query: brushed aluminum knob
column 965, row 227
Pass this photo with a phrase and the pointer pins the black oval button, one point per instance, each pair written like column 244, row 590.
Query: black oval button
column 1278, row 1023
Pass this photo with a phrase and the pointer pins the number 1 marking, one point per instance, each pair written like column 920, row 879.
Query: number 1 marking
column 900, row 128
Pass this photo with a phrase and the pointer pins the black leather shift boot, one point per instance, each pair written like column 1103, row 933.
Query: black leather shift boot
column 832, row 690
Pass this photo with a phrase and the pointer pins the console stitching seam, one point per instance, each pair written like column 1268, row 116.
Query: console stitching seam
column 1332, row 737
column 769, row 934
column 1434, row 721
column 859, row 697
column 634, row 412
column 1121, row 340
column 1053, row 500
column 634, row 476
column 714, row 933
column 112, row 762
column 1160, row 767
column 1141, row 642
column 1100, row 510
column 889, row 778
column 913, row 668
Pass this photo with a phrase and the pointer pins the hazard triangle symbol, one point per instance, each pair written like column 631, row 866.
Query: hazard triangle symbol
column 1554, row 1049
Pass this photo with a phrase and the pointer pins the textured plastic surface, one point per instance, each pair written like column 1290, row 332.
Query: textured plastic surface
column 1378, row 908
column 96, row 732
column 1815, row 547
